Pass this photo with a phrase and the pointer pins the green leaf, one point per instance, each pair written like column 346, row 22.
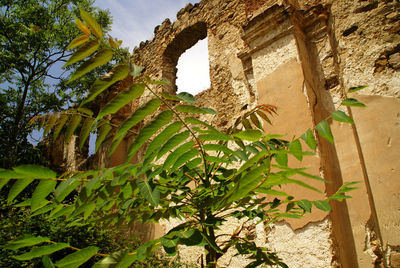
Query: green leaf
column 249, row 135
column 151, row 195
column 193, row 109
column 215, row 136
column 192, row 237
column 44, row 188
column 101, row 58
column 296, row 150
column 66, row 187
column 168, row 96
column 11, row 174
column 127, row 191
column 60, row 124
column 353, row 102
column 88, row 49
column 36, row 172
column 183, row 96
column 135, row 70
column 250, row 162
column 268, row 191
column 305, row 205
column 50, row 122
column 80, row 40
column 282, row 158
column 102, row 134
column 146, row 250
column 73, row 124
column 309, row 138
column 77, row 258
column 85, row 111
column 354, row 89
column 64, row 211
column 186, row 97
column 172, row 143
column 91, row 23
column 342, row 117
column 209, row 111
column 212, row 243
column 156, row 82
column 161, row 138
column 149, row 108
column 173, row 156
column 121, row 100
column 169, row 242
column 216, row 160
column 111, row 261
column 88, row 210
column 41, row 251
column 324, row 130
column 127, row 260
column 193, row 120
column 145, row 134
column 85, row 131
column 47, row 263
column 217, row 147
column 3, row 182
column 183, row 159
column 44, row 210
column 272, row 136
column 247, row 182
column 116, row 74
column 26, row 242
column 17, row 188
column 24, row 203
column 322, row 205
column 278, row 179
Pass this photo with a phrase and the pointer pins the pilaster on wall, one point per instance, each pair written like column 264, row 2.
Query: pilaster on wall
column 311, row 32
column 279, row 79
column 269, row 37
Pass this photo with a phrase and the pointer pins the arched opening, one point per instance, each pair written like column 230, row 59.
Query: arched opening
column 193, row 74
column 185, row 40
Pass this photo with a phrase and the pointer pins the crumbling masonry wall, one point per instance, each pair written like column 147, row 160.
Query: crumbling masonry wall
column 303, row 56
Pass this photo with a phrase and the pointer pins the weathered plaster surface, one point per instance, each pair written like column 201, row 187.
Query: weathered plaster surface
column 303, row 56
column 306, row 247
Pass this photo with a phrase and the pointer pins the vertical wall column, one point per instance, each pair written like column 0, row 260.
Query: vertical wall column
column 322, row 78
column 279, row 78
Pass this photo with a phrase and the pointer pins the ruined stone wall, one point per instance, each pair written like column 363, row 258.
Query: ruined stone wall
column 303, row 56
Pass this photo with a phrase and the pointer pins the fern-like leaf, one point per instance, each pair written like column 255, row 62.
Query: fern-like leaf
column 135, row 91
column 162, row 119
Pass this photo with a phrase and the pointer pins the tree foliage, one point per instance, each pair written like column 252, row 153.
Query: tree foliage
column 34, row 36
column 189, row 170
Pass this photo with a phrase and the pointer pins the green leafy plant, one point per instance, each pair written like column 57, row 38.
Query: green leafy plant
column 188, row 169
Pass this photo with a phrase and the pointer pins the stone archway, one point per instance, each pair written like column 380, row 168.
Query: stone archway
column 183, row 41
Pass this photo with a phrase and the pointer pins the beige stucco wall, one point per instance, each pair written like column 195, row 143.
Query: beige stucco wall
column 303, row 56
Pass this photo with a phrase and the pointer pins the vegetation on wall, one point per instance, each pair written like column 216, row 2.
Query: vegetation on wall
column 187, row 169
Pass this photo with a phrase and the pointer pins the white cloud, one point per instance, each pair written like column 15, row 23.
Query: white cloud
column 134, row 21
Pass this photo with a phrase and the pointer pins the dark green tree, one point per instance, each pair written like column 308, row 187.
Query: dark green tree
column 34, row 35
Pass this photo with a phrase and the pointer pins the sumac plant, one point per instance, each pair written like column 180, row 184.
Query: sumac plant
column 188, row 169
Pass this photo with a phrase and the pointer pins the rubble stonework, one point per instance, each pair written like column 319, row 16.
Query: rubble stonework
column 303, row 56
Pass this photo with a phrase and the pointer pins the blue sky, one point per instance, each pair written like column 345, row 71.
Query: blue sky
column 135, row 20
